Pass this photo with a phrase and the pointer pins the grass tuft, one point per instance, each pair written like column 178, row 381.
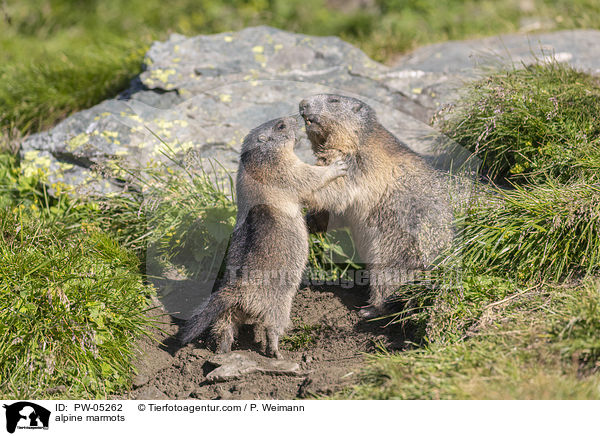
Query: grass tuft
column 544, row 232
column 512, row 312
column 537, row 343
column 301, row 337
column 530, row 123
column 37, row 95
column 72, row 306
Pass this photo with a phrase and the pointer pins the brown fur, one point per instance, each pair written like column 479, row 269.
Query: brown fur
column 396, row 205
column 269, row 246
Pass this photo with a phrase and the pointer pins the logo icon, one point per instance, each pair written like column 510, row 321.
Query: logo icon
column 26, row 415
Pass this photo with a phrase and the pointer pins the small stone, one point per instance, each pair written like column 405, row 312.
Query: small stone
column 231, row 366
column 280, row 367
column 201, row 353
column 150, row 393
column 226, row 395
column 56, row 390
column 140, row 380
column 183, row 395
column 307, row 359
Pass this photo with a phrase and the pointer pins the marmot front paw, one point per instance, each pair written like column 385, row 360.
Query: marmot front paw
column 340, row 168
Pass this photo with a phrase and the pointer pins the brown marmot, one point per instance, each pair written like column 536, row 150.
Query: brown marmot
column 396, row 206
column 269, row 246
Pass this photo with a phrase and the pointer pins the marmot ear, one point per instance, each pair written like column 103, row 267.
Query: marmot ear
column 358, row 107
column 262, row 138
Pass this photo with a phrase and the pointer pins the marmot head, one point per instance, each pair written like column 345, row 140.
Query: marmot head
column 336, row 121
column 263, row 146
column 272, row 136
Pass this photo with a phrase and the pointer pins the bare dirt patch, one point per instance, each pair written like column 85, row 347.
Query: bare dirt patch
column 328, row 341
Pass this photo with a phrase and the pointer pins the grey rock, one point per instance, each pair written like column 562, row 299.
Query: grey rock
column 432, row 75
column 203, row 94
column 580, row 48
column 236, row 365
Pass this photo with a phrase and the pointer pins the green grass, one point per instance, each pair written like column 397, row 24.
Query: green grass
column 543, row 232
column 72, row 298
column 72, row 306
column 300, row 338
column 38, row 94
column 59, row 56
column 519, row 321
column 536, row 129
column 72, row 284
column 185, row 211
column 530, row 123
column 538, row 343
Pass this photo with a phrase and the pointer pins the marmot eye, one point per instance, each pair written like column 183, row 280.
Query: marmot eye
column 333, row 100
column 280, row 125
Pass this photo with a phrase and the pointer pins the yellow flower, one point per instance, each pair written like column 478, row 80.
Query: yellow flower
column 517, row 169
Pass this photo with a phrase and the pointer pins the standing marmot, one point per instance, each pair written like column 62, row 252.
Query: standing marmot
column 396, row 205
column 269, row 246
